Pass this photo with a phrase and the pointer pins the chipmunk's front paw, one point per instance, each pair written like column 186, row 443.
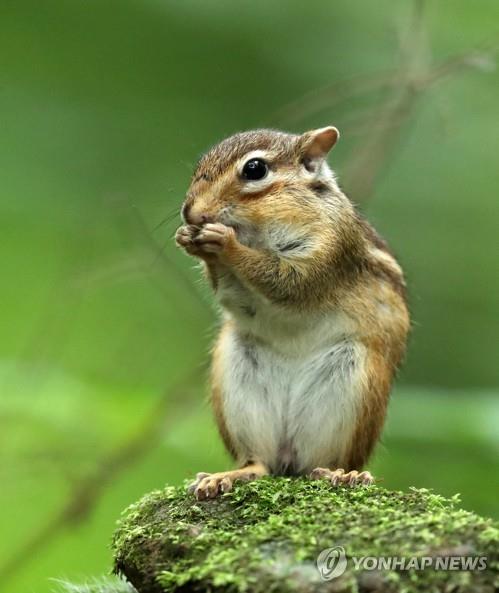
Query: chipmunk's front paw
column 339, row 477
column 214, row 238
column 184, row 237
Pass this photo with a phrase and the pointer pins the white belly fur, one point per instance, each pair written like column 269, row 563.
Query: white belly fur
column 293, row 410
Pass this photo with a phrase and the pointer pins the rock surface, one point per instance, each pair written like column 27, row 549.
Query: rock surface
column 266, row 536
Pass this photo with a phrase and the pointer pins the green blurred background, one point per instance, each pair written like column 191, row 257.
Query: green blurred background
column 105, row 106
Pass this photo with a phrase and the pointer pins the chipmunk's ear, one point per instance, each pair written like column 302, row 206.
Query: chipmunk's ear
column 317, row 143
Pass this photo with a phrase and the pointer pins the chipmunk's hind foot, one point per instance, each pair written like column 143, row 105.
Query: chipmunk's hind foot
column 339, row 477
column 207, row 486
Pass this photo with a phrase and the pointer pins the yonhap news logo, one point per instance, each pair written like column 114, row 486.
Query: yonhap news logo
column 332, row 563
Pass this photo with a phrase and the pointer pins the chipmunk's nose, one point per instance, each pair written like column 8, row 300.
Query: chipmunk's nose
column 191, row 216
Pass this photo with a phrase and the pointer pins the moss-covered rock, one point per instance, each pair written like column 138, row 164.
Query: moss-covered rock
column 266, row 535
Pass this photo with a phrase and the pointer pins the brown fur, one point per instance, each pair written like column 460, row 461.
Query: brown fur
column 370, row 420
column 216, row 398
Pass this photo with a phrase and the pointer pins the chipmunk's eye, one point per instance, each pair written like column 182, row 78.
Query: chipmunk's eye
column 255, row 169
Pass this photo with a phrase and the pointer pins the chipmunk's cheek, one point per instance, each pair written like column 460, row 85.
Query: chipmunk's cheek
column 225, row 214
column 231, row 217
column 289, row 241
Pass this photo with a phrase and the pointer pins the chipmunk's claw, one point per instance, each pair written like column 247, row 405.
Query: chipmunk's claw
column 199, row 476
column 339, row 477
column 184, row 238
column 207, row 486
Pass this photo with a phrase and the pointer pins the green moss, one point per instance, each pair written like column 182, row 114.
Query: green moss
column 265, row 536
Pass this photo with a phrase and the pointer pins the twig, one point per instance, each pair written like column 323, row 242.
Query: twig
column 381, row 130
column 88, row 490
column 332, row 95
column 385, row 128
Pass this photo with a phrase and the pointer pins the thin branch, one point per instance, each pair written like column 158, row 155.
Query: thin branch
column 381, row 129
column 89, row 489
column 332, row 95
column 377, row 148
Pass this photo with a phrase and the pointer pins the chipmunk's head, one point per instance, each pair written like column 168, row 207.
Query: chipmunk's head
column 252, row 178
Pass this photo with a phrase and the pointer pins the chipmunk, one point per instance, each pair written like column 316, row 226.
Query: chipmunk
column 315, row 319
